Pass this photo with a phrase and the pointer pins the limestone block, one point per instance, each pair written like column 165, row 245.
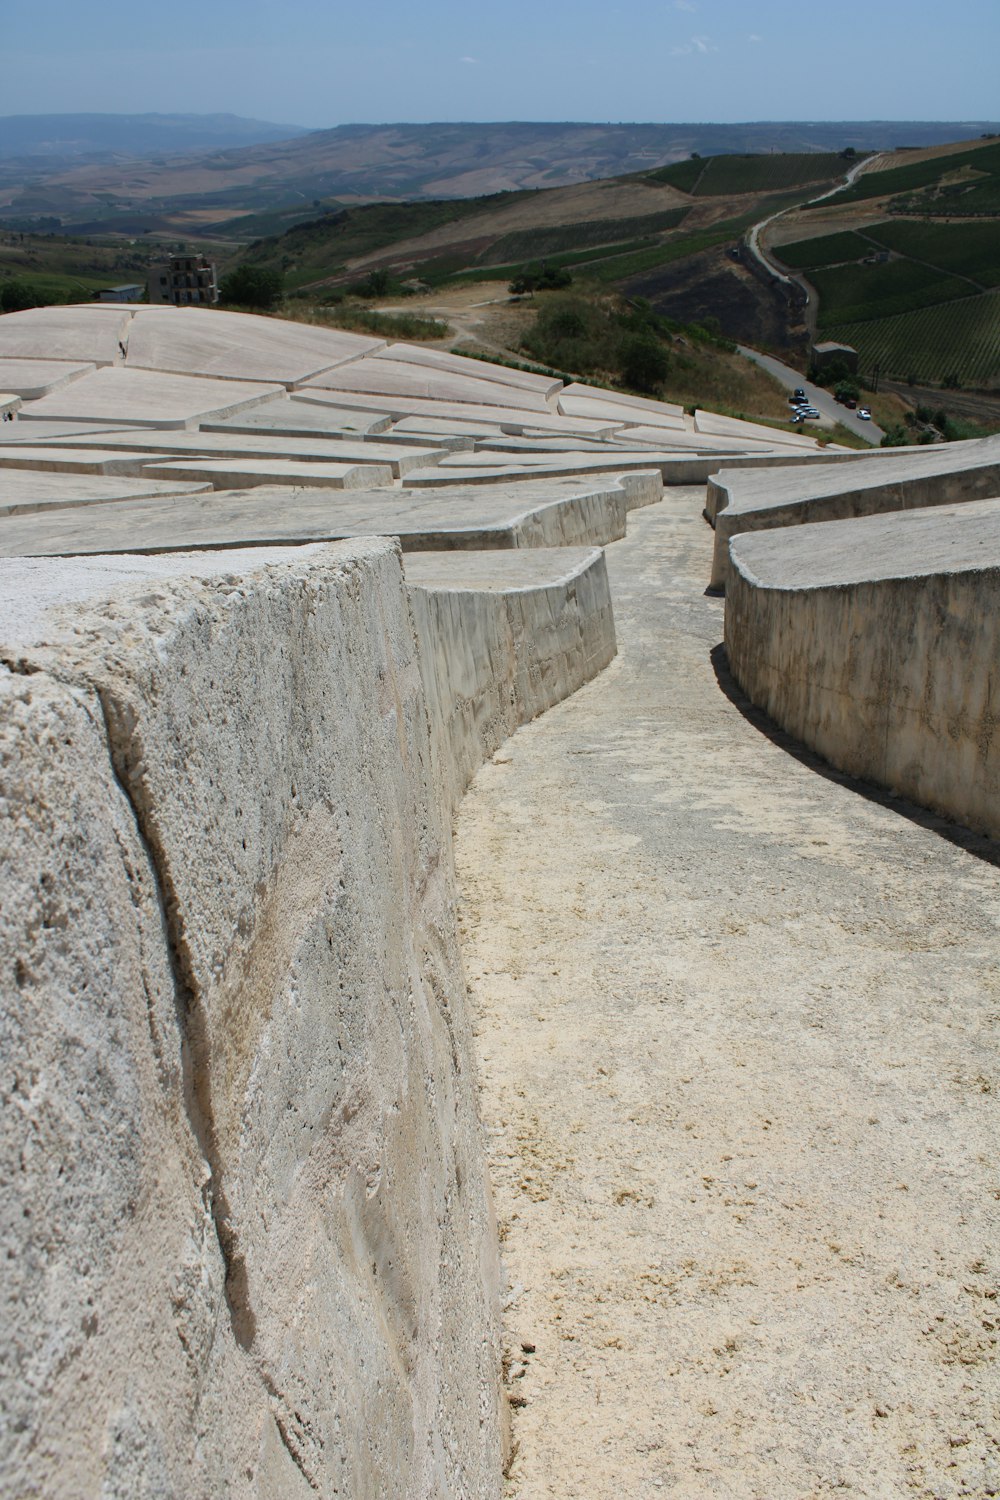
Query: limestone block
column 477, row 369
column 238, row 346
column 508, row 418
column 524, row 514
column 266, row 1264
column 246, row 473
column 872, row 483
column 394, row 377
column 32, row 378
column 874, row 641
column 502, row 639
column 23, row 492
column 92, row 333
column 119, row 395
column 205, row 443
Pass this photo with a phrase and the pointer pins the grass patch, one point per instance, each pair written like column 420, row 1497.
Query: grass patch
column 368, row 320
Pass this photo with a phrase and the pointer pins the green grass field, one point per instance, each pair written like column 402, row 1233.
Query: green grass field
column 960, row 338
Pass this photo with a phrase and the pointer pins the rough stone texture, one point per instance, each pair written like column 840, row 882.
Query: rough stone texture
column 875, row 643
column 249, row 1251
column 960, row 471
column 311, row 449
column 503, row 639
column 550, row 514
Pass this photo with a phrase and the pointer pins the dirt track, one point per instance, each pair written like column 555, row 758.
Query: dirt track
column 737, row 1025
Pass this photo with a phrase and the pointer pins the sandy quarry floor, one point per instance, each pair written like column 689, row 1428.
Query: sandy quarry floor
column 738, row 1041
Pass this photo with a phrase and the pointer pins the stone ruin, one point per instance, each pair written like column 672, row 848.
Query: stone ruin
column 272, row 594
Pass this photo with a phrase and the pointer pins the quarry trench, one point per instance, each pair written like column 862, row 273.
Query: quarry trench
column 736, row 1021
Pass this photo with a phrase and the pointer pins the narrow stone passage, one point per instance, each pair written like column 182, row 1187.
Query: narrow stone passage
column 737, row 1027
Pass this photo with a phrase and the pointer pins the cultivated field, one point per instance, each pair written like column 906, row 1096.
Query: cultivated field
column 960, row 338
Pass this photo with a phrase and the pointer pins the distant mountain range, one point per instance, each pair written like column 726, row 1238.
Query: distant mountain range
column 63, row 138
column 98, row 173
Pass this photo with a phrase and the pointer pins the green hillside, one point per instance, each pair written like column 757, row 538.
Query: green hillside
column 960, row 183
column 726, row 176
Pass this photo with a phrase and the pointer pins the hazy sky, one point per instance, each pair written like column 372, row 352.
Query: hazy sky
column 317, row 63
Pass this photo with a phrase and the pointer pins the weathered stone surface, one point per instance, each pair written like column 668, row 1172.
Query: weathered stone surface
column 886, row 480
column 237, row 346
column 92, row 333
column 236, row 1050
column 875, row 642
column 25, row 491
column 119, row 395
column 405, row 378
column 502, row 639
column 555, row 513
column 32, row 378
column 246, row 473
column 205, row 443
column 476, row 369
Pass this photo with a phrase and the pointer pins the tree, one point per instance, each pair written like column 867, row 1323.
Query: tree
column 645, row 363
column 251, row 286
column 18, row 295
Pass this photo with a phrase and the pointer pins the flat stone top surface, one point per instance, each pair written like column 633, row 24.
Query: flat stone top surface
column 508, row 468
column 645, row 405
column 92, row 459
column 872, row 549
column 146, row 396
column 91, row 332
column 203, row 444
column 41, row 598
column 478, row 369
column 511, row 418
column 498, row 572
column 281, row 515
column 396, row 377
column 25, row 489
column 32, row 378
column 298, row 419
column 32, row 433
column 608, row 407
column 231, row 473
column 237, row 346
column 714, row 425
column 762, row 489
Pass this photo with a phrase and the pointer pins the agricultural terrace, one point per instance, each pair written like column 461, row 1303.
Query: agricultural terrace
column 855, row 293
column 959, row 339
column 963, row 182
column 726, row 176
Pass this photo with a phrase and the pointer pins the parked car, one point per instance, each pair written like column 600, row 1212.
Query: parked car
column 799, row 393
column 864, row 414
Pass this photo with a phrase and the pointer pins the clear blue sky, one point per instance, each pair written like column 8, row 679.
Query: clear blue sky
column 329, row 62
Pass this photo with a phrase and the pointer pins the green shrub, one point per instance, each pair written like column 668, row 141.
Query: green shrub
column 251, row 286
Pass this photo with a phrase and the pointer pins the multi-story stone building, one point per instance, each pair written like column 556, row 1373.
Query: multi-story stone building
column 185, row 280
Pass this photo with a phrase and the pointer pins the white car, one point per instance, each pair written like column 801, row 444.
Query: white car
column 864, row 414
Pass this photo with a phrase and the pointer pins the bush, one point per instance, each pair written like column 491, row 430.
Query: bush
column 645, row 363
column 251, row 286
column 18, row 295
